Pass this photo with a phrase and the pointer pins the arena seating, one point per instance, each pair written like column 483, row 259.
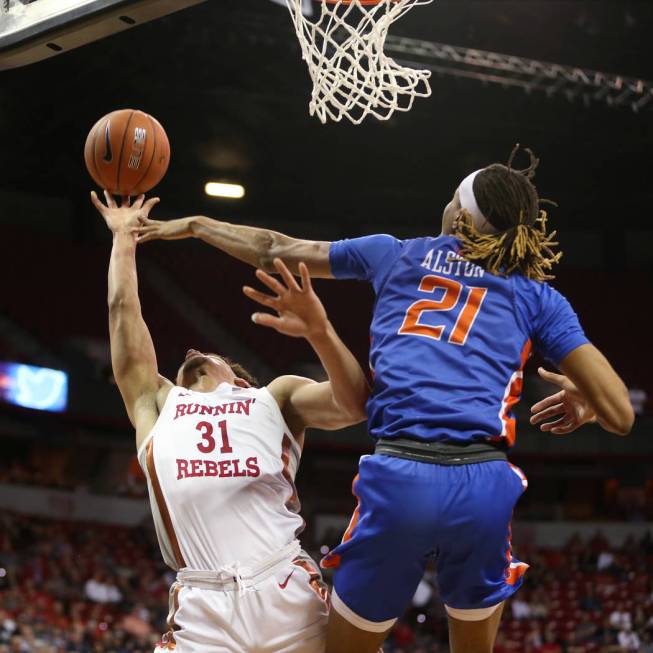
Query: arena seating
column 46, row 606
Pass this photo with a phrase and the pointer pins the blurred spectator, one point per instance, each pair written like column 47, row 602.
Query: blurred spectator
column 520, row 608
column 101, row 592
column 647, row 642
column 423, row 594
column 638, row 399
column 534, row 636
column 538, row 605
column 605, row 560
column 403, row 635
column 609, row 643
column 551, row 643
column 628, row 640
column 589, row 601
column 620, row 618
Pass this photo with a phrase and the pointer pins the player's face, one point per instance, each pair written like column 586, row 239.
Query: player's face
column 449, row 214
column 196, row 365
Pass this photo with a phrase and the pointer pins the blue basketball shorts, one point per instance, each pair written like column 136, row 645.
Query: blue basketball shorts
column 410, row 512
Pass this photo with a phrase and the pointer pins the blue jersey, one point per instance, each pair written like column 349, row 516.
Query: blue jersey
column 449, row 340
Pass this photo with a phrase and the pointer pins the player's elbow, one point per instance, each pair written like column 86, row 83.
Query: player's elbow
column 619, row 415
column 120, row 304
column 357, row 415
column 624, row 420
column 353, row 411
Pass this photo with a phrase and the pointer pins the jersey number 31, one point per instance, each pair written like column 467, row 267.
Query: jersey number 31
column 448, row 302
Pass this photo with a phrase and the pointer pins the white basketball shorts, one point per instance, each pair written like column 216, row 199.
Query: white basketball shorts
column 283, row 609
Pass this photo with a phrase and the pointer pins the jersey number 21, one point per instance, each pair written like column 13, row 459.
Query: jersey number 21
column 448, row 302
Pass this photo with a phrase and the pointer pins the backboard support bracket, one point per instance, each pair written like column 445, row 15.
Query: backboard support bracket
column 31, row 32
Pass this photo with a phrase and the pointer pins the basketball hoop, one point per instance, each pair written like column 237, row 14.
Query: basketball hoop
column 352, row 76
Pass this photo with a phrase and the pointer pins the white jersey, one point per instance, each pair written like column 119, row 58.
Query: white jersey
column 220, row 468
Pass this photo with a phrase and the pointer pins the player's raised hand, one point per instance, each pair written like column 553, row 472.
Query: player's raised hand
column 164, row 229
column 300, row 312
column 564, row 411
column 126, row 217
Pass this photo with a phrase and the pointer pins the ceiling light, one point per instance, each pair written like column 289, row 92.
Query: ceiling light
column 223, row 189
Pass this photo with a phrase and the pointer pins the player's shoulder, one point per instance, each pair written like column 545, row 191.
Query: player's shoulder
column 531, row 289
column 442, row 240
column 535, row 300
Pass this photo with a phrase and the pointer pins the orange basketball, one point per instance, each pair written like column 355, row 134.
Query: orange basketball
column 127, row 152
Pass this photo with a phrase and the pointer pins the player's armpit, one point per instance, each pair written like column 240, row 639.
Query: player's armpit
column 308, row 404
column 601, row 386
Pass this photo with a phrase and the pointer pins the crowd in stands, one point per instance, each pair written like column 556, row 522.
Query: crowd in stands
column 89, row 588
column 584, row 598
column 68, row 587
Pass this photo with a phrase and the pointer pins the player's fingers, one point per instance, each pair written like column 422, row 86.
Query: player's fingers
column 138, row 202
column 260, row 297
column 146, row 225
column 290, row 281
column 144, row 238
column 548, row 426
column 270, row 282
column 565, row 428
column 558, row 409
column 111, row 203
column 96, row 201
column 306, row 277
column 265, row 319
column 551, row 377
column 150, row 204
column 125, row 201
column 549, row 401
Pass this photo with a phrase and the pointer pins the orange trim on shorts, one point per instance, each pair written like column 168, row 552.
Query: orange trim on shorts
column 315, row 579
column 168, row 642
column 163, row 508
column 332, row 560
column 514, row 571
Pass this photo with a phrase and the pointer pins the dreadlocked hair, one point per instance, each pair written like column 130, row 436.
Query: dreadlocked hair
column 508, row 199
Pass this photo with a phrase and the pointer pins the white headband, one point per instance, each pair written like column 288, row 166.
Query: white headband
column 468, row 199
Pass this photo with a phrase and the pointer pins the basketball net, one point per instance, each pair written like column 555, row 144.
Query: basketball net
column 352, row 76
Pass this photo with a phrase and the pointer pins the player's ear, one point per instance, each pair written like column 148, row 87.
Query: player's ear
column 241, row 383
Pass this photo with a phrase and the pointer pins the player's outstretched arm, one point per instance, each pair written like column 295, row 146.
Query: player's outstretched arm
column 132, row 352
column 334, row 404
column 253, row 245
column 590, row 391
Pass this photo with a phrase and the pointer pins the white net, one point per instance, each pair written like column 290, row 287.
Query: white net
column 352, row 76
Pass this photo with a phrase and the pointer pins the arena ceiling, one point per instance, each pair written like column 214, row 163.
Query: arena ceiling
column 227, row 81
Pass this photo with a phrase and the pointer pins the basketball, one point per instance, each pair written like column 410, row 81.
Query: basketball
column 127, row 152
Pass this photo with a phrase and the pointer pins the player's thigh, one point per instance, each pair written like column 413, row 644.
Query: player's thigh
column 294, row 609
column 382, row 557
column 473, row 635
column 344, row 637
column 476, row 568
column 201, row 623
